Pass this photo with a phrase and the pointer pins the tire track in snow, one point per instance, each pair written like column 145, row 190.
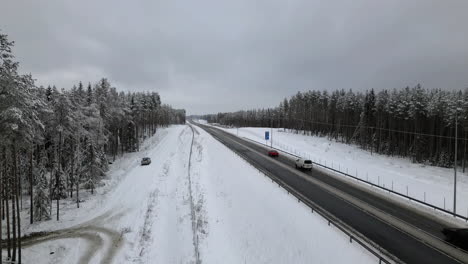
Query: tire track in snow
column 145, row 231
column 192, row 206
column 93, row 234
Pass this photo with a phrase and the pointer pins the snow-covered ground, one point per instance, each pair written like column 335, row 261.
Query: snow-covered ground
column 250, row 220
column 221, row 207
column 429, row 183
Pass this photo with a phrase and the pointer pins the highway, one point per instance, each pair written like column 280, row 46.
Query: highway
column 401, row 232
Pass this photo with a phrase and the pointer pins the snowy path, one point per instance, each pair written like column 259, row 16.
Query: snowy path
column 218, row 206
column 166, row 236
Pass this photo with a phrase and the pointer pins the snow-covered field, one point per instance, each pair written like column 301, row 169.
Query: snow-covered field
column 227, row 212
column 429, row 183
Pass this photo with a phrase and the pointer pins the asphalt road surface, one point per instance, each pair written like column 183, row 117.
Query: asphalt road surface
column 372, row 215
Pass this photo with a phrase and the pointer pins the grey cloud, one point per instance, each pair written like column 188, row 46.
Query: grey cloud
column 210, row 56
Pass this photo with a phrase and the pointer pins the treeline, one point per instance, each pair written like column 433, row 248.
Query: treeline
column 55, row 142
column 412, row 122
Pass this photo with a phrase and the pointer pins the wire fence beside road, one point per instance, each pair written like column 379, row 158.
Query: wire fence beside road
column 406, row 196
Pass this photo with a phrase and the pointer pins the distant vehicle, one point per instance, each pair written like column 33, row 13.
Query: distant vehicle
column 303, row 164
column 145, row 161
column 273, row 153
column 457, row 236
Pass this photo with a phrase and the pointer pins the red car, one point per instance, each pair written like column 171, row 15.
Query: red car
column 273, row 153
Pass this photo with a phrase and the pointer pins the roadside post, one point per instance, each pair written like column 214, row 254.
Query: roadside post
column 267, row 137
column 271, row 141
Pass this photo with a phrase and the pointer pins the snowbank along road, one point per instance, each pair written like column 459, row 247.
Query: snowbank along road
column 197, row 202
column 401, row 231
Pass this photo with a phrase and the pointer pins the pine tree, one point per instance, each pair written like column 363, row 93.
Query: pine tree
column 89, row 95
column 19, row 122
column 59, row 190
column 41, row 197
column 52, row 133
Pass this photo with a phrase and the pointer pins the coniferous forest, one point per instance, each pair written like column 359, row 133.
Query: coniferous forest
column 415, row 122
column 55, row 142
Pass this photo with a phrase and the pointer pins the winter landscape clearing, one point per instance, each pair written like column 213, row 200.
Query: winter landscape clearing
column 424, row 182
column 238, row 131
column 147, row 214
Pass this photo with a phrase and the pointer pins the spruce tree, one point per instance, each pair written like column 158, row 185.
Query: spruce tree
column 41, row 197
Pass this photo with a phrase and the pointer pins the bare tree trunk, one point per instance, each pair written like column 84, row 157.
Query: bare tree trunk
column 78, row 191
column 31, row 206
column 1, row 207
column 7, row 195
column 50, row 193
column 13, row 216
column 121, row 136
column 77, row 184
column 72, row 171
column 464, row 153
column 68, row 187
column 116, row 144
column 50, row 185
column 58, row 208
column 71, row 187
column 59, row 170
column 138, row 140
column 20, row 186
column 17, row 196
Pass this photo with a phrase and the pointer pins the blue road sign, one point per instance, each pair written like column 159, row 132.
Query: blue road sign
column 267, row 135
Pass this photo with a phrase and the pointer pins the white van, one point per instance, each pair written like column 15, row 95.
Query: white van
column 303, row 164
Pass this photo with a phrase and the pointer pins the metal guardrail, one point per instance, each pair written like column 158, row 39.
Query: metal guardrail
column 372, row 184
column 353, row 236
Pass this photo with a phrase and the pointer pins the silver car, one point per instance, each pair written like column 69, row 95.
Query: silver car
column 145, row 161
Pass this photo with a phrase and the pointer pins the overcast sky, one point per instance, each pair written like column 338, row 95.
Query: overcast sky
column 210, row 55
